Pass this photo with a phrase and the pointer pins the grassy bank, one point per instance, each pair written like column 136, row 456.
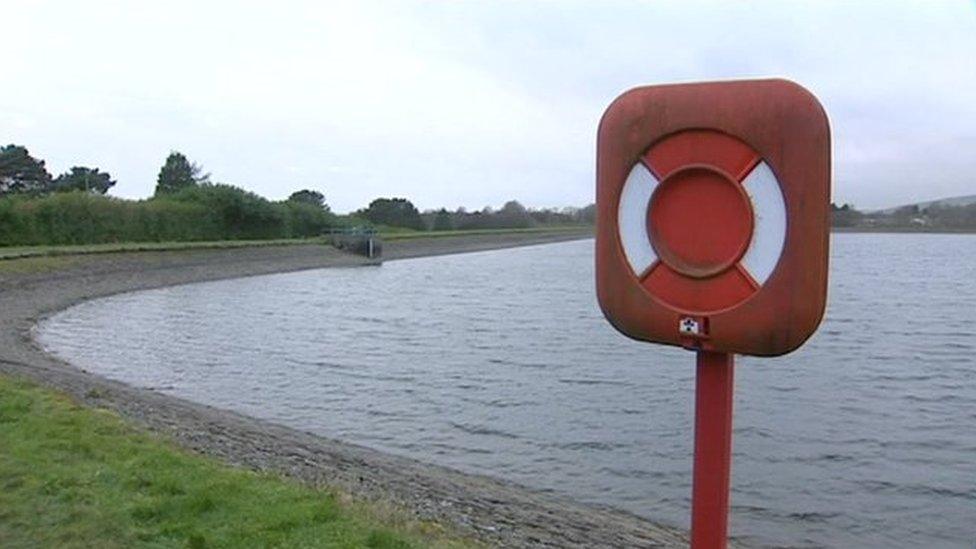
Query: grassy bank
column 20, row 252
column 77, row 477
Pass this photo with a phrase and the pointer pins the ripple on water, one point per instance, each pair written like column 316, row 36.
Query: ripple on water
column 488, row 363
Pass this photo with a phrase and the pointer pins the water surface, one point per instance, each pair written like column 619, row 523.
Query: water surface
column 500, row 363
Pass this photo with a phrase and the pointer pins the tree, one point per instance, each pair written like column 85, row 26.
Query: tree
column 395, row 212
column 513, row 215
column 845, row 216
column 22, row 173
column 84, row 179
column 587, row 214
column 308, row 196
column 179, row 173
column 443, row 220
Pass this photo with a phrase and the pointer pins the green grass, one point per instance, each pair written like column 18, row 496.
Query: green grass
column 72, row 476
column 20, row 252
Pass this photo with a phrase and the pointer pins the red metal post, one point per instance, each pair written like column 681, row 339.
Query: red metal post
column 713, row 451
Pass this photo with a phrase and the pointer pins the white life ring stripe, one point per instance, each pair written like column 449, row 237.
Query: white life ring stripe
column 632, row 218
column 769, row 228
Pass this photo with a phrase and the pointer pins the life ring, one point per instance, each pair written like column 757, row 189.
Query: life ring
column 702, row 221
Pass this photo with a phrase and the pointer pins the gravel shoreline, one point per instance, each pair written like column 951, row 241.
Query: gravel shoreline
column 492, row 511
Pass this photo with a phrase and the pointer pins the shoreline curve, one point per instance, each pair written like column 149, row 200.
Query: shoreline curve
column 490, row 510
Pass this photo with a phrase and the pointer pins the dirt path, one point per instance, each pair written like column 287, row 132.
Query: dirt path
column 494, row 511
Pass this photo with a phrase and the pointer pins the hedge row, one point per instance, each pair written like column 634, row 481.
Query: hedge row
column 206, row 212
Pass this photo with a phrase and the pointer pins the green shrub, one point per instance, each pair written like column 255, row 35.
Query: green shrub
column 305, row 219
column 205, row 212
column 237, row 214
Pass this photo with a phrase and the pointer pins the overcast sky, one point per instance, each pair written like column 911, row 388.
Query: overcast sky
column 468, row 103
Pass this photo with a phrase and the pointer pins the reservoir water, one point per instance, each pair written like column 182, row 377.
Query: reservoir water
column 500, row 363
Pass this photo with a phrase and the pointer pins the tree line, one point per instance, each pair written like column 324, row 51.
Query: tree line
column 37, row 208
column 20, row 173
column 400, row 212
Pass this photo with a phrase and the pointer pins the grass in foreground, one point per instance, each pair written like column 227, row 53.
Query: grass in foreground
column 72, row 476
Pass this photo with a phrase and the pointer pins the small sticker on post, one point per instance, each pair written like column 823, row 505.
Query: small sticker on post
column 689, row 326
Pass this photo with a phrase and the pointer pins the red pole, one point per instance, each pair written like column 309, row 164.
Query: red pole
column 713, row 451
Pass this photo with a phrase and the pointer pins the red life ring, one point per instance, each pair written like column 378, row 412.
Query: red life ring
column 702, row 221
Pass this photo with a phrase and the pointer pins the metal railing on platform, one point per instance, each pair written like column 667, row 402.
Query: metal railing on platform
column 359, row 240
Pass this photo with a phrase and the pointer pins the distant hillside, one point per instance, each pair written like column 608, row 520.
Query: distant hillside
column 956, row 214
column 955, row 201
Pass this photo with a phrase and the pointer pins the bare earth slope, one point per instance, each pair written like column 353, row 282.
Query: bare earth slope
column 493, row 511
